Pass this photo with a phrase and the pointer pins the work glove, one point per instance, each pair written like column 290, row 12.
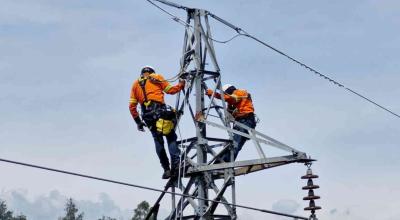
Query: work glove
column 182, row 83
column 139, row 123
column 184, row 75
column 209, row 92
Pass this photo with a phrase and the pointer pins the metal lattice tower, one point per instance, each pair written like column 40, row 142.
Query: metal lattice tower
column 204, row 176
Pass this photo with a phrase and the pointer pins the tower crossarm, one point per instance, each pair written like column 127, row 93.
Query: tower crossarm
column 264, row 138
column 266, row 162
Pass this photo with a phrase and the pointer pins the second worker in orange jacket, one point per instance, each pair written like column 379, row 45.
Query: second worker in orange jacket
column 240, row 105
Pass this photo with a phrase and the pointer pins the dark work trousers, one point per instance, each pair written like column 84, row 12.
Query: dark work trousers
column 174, row 151
column 238, row 140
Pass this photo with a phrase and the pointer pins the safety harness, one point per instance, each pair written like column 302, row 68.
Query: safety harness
column 233, row 110
column 161, row 116
column 142, row 83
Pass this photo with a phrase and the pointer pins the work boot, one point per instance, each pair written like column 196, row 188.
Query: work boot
column 175, row 171
column 166, row 174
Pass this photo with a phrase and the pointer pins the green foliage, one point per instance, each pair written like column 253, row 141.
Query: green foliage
column 20, row 217
column 71, row 211
column 4, row 213
column 141, row 211
column 8, row 215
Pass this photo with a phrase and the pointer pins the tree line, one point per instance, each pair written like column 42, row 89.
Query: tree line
column 72, row 212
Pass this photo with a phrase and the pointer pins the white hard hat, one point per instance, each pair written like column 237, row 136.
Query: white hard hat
column 148, row 69
column 226, row 86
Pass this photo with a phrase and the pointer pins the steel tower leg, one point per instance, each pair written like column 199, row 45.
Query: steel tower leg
column 200, row 127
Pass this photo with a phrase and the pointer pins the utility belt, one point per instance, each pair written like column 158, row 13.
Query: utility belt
column 159, row 116
column 251, row 120
column 234, row 111
column 250, row 115
column 151, row 106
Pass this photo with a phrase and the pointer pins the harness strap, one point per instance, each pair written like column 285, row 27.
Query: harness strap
column 142, row 83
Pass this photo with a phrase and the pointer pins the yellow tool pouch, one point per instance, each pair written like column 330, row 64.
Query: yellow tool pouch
column 164, row 126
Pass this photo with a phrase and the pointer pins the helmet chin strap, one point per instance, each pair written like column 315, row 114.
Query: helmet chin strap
column 145, row 75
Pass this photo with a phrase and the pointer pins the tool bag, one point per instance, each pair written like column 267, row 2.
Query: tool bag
column 167, row 120
column 161, row 117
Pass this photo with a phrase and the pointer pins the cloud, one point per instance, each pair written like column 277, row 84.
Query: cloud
column 51, row 206
column 394, row 217
column 385, row 6
column 333, row 211
column 286, row 206
column 346, row 214
column 13, row 12
column 245, row 216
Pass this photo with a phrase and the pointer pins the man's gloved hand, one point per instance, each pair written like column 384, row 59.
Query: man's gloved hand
column 182, row 82
column 209, row 92
column 140, row 124
column 184, row 75
column 140, row 127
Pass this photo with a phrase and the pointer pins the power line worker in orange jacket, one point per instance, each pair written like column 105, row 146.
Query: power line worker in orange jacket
column 240, row 105
column 148, row 91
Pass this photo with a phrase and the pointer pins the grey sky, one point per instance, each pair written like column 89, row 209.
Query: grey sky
column 66, row 68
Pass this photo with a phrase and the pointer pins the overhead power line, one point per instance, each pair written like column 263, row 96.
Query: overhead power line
column 174, row 17
column 241, row 32
column 147, row 188
column 335, row 82
column 185, row 24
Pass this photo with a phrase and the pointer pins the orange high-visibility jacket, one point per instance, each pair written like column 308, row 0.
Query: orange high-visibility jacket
column 155, row 87
column 240, row 99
